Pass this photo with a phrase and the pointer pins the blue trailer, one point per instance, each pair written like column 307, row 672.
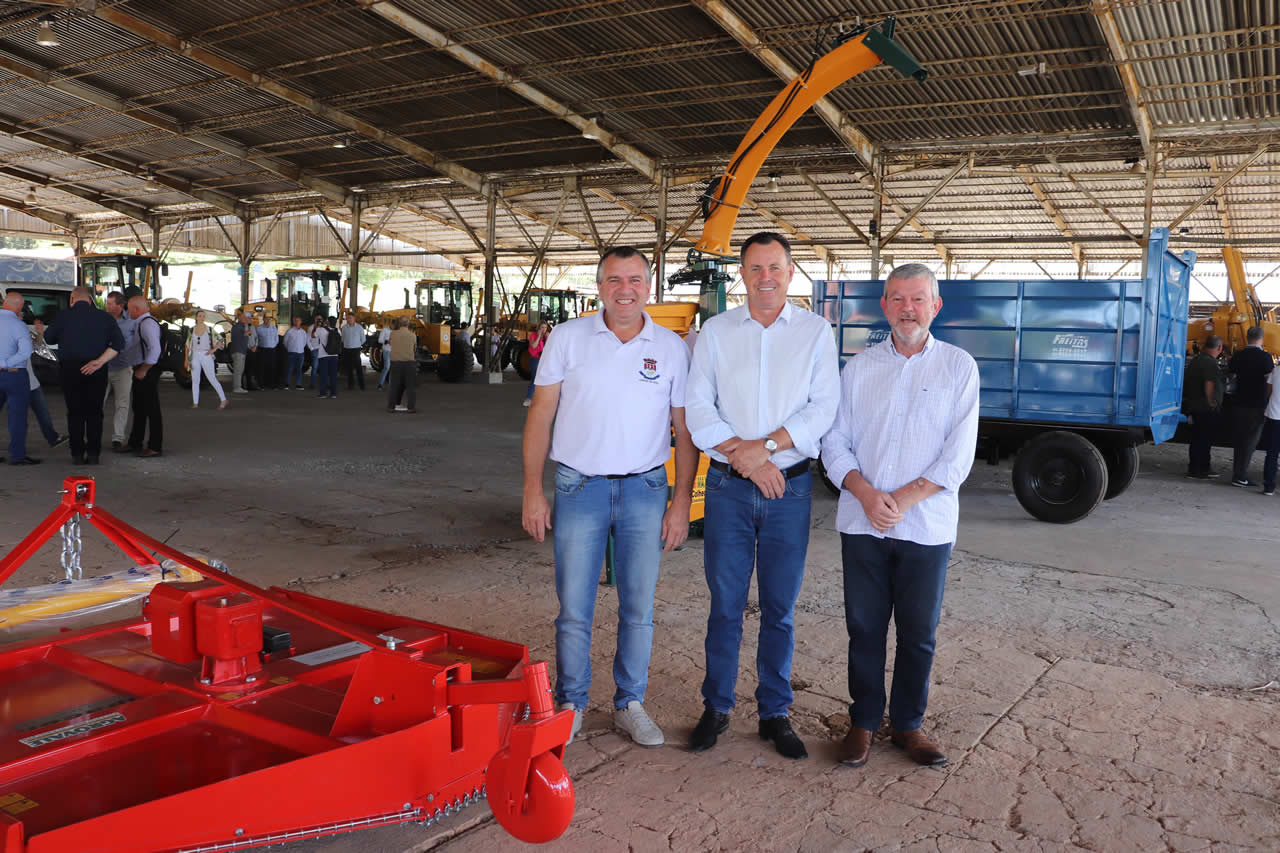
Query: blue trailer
column 1075, row 374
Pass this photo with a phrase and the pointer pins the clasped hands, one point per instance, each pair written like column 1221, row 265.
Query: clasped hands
column 749, row 458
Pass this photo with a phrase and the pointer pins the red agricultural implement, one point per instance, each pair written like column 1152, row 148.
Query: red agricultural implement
column 229, row 717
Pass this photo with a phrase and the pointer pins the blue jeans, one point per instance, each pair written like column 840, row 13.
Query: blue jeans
column 884, row 577
column 293, row 372
column 41, row 410
column 533, row 374
column 587, row 509
column 15, row 393
column 1271, row 442
column 746, row 530
column 386, row 366
column 328, row 372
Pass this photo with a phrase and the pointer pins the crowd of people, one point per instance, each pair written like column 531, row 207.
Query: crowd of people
column 762, row 395
column 113, row 354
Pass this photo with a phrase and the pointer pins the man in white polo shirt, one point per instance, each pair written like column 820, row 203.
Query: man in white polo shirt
column 613, row 385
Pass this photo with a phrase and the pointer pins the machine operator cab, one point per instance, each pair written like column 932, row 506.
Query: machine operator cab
column 552, row 306
column 305, row 293
column 130, row 274
column 445, row 303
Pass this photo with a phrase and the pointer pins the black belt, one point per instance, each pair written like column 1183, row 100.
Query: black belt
column 637, row 474
column 794, row 471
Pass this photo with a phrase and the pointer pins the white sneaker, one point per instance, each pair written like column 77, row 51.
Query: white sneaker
column 635, row 722
column 577, row 720
column 526, row 402
column 239, row 391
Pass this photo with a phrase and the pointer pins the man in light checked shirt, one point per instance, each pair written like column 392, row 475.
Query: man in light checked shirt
column 902, row 444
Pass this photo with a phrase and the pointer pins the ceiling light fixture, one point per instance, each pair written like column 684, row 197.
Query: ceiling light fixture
column 46, row 37
column 30, row 197
column 593, row 130
column 773, row 182
column 339, row 145
column 1037, row 70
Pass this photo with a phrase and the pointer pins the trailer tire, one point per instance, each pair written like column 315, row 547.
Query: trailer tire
column 1122, row 468
column 1059, row 477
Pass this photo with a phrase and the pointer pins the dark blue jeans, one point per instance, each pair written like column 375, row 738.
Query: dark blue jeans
column 883, row 578
column 41, row 410
column 746, row 531
column 293, row 374
column 533, row 374
column 15, row 392
column 328, row 373
column 1271, row 442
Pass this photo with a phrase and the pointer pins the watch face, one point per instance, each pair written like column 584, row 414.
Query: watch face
column 770, row 445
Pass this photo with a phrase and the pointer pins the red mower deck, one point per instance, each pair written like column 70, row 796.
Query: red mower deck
column 232, row 717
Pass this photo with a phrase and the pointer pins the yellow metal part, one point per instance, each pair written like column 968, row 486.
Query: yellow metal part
column 83, row 596
column 1231, row 320
column 844, row 63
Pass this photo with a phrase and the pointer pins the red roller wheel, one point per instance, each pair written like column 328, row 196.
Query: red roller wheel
column 534, row 813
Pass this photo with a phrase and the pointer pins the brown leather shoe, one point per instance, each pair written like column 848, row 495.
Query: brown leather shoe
column 855, row 749
column 919, row 748
column 148, row 453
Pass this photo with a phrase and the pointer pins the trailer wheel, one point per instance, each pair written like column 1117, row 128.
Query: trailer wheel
column 1059, row 477
column 375, row 359
column 1122, row 468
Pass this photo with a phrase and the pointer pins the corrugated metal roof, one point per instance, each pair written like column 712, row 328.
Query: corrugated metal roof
column 1010, row 85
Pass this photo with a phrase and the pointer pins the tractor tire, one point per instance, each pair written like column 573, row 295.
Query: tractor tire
column 375, row 359
column 452, row 367
column 519, row 358
column 1059, row 477
column 1122, row 468
column 182, row 374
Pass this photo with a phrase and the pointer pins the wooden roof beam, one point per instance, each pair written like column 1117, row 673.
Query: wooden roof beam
column 106, row 100
column 455, row 171
column 1051, row 210
column 629, row 154
column 1106, row 19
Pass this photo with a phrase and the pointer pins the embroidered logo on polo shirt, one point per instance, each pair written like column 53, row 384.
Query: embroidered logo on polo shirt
column 650, row 371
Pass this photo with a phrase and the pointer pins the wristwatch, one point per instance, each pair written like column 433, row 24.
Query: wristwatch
column 770, row 445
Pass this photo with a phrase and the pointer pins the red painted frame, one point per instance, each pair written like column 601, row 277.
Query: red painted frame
column 405, row 729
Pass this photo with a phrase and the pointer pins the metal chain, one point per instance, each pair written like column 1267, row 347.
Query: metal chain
column 71, row 549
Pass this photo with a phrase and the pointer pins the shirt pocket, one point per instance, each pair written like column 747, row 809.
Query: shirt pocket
column 933, row 404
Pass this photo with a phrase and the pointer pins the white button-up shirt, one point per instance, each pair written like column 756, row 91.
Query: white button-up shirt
column 903, row 418
column 747, row 381
column 295, row 340
column 614, row 415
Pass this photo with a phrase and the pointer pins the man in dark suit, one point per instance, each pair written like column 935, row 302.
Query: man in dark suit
column 87, row 338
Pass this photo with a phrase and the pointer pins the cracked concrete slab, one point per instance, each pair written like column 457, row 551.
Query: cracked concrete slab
column 1095, row 684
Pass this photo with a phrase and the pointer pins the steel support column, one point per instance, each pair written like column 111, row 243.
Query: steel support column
column 490, row 260
column 353, row 276
column 660, row 239
column 245, row 261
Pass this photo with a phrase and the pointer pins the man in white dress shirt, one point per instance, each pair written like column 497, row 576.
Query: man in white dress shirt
column 613, row 384
column 763, row 390
column 902, row 444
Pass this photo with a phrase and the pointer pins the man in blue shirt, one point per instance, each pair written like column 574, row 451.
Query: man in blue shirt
column 87, row 338
column 146, row 382
column 15, row 349
column 120, row 370
column 268, row 354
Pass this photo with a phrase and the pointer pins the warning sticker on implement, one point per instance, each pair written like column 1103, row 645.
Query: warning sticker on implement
column 16, row 804
column 92, row 724
column 345, row 650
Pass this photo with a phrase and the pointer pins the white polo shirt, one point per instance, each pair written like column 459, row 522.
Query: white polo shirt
column 614, row 415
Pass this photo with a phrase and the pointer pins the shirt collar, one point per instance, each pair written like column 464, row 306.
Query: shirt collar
column 598, row 325
column 784, row 315
column 144, row 316
column 893, row 348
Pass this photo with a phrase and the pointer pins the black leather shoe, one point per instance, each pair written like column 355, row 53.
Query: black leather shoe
column 26, row 461
column 91, row 460
column 778, row 730
column 77, row 459
column 709, row 728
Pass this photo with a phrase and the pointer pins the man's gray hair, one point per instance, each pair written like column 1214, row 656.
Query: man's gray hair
column 906, row 271
column 622, row 253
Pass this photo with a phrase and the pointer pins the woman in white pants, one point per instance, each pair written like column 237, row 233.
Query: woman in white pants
column 201, row 346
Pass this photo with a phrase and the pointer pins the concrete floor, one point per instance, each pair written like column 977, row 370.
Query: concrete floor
column 1108, row 685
